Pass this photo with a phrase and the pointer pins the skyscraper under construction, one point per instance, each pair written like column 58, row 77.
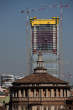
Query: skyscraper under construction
column 45, row 39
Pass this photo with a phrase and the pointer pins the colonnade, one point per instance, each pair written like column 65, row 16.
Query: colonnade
column 41, row 93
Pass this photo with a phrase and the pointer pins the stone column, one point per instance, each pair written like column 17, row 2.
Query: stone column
column 52, row 92
column 57, row 93
column 68, row 93
column 41, row 92
column 41, row 107
column 19, row 93
column 61, row 92
column 64, row 92
column 52, row 107
column 46, row 107
column 24, row 107
column 46, row 92
column 33, row 108
column 23, row 92
column 57, row 108
column 7, row 107
column 19, row 107
column 12, row 94
column 15, row 93
column 12, row 107
column 34, row 92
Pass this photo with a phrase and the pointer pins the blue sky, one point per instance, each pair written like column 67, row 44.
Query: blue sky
column 12, row 32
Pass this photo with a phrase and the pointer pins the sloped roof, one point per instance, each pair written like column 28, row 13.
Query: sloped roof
column 39, row 78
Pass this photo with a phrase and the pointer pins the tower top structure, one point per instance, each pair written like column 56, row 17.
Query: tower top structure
column 34, row 21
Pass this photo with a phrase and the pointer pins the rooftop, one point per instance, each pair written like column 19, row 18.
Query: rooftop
column 40, row 76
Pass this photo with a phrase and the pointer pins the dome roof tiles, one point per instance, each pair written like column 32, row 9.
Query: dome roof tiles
column 37, row 78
